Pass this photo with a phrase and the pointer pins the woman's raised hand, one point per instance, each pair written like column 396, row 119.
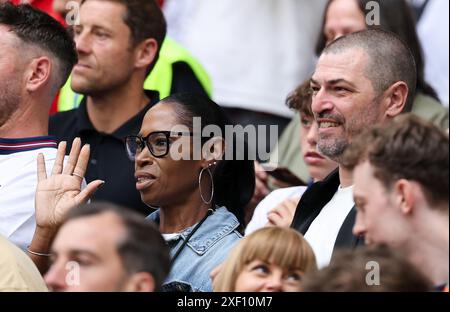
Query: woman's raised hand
column 61, row 191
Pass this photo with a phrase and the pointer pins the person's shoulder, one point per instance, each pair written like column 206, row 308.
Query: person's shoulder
column 432, row 110
column 221, row 226
column 63, row 123
column 6, row 250
column 222, row 218
column 70, row 114
column 62, row 119
column 17, row 271
column 427, row 107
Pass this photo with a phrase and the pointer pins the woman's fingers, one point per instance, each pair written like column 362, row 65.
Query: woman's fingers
column 283, row 213
column 87, row 192
column 59, row 161
column 82, row 162
column 41, row 171
column 274, row 218
column 73, row 157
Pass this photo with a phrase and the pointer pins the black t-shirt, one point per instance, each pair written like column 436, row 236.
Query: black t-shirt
column 108, row 160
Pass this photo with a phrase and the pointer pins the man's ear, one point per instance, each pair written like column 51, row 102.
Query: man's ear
column 141, row 282
column 145, row 53
column 395, row 99
column 404, row 196
column 38, row 73
column 213, row 150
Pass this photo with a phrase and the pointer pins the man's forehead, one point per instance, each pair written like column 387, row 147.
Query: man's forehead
column 341, row 65
column 102, row 13
column 97, row 229
column 362, row 172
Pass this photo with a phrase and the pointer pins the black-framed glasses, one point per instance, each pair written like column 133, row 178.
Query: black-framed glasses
column 157, row 142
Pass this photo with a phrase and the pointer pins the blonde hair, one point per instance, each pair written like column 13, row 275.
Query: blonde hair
column 284, row 247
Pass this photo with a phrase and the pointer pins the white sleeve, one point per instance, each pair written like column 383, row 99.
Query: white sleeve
column 259, row 219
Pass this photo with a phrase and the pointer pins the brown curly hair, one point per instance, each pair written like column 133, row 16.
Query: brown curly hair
column 301, row 99
column 405, row 148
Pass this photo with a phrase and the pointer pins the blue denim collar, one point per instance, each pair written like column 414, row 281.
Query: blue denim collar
column 219, row 224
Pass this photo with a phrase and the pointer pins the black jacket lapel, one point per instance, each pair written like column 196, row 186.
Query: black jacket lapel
column 313, row 200
column 345, row 236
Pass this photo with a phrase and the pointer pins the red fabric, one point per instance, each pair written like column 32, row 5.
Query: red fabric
column 43, row 5
column 54, row 107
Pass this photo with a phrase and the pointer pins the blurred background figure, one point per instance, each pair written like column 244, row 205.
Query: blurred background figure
column 17, row 271
column 432, row 28
column 367, row 269
column 270, row 259
column 114, row 249
column 255, row 51
column 44, row 5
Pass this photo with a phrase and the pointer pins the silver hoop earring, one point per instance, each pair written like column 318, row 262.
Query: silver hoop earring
column 207, row 202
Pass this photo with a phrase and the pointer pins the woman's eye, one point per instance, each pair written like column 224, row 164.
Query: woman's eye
column 261, row 268
column 160, row 142
column 138, row 144
column 294, row 277
column 306, row 122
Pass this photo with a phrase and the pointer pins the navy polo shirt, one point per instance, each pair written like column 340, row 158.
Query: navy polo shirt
column 108, row 160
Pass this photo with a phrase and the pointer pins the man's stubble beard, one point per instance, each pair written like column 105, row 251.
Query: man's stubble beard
column 10, row 99
column 335, row 150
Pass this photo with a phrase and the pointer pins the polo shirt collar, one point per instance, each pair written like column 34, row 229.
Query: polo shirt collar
column 11, row 146
column 83, row 122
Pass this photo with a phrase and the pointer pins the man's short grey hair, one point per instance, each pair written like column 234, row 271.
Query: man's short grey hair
column 390, row 59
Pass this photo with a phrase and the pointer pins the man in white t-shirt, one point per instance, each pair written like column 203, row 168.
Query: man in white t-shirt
column 360, row 79
column 30, row 81
column 18, row 181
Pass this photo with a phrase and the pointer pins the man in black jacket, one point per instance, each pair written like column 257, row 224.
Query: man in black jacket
column 361, row 79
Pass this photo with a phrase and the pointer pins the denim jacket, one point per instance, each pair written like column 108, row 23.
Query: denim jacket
column 206, row 249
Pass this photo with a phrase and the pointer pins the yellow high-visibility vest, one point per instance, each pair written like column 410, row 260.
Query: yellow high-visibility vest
column 160, row 78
